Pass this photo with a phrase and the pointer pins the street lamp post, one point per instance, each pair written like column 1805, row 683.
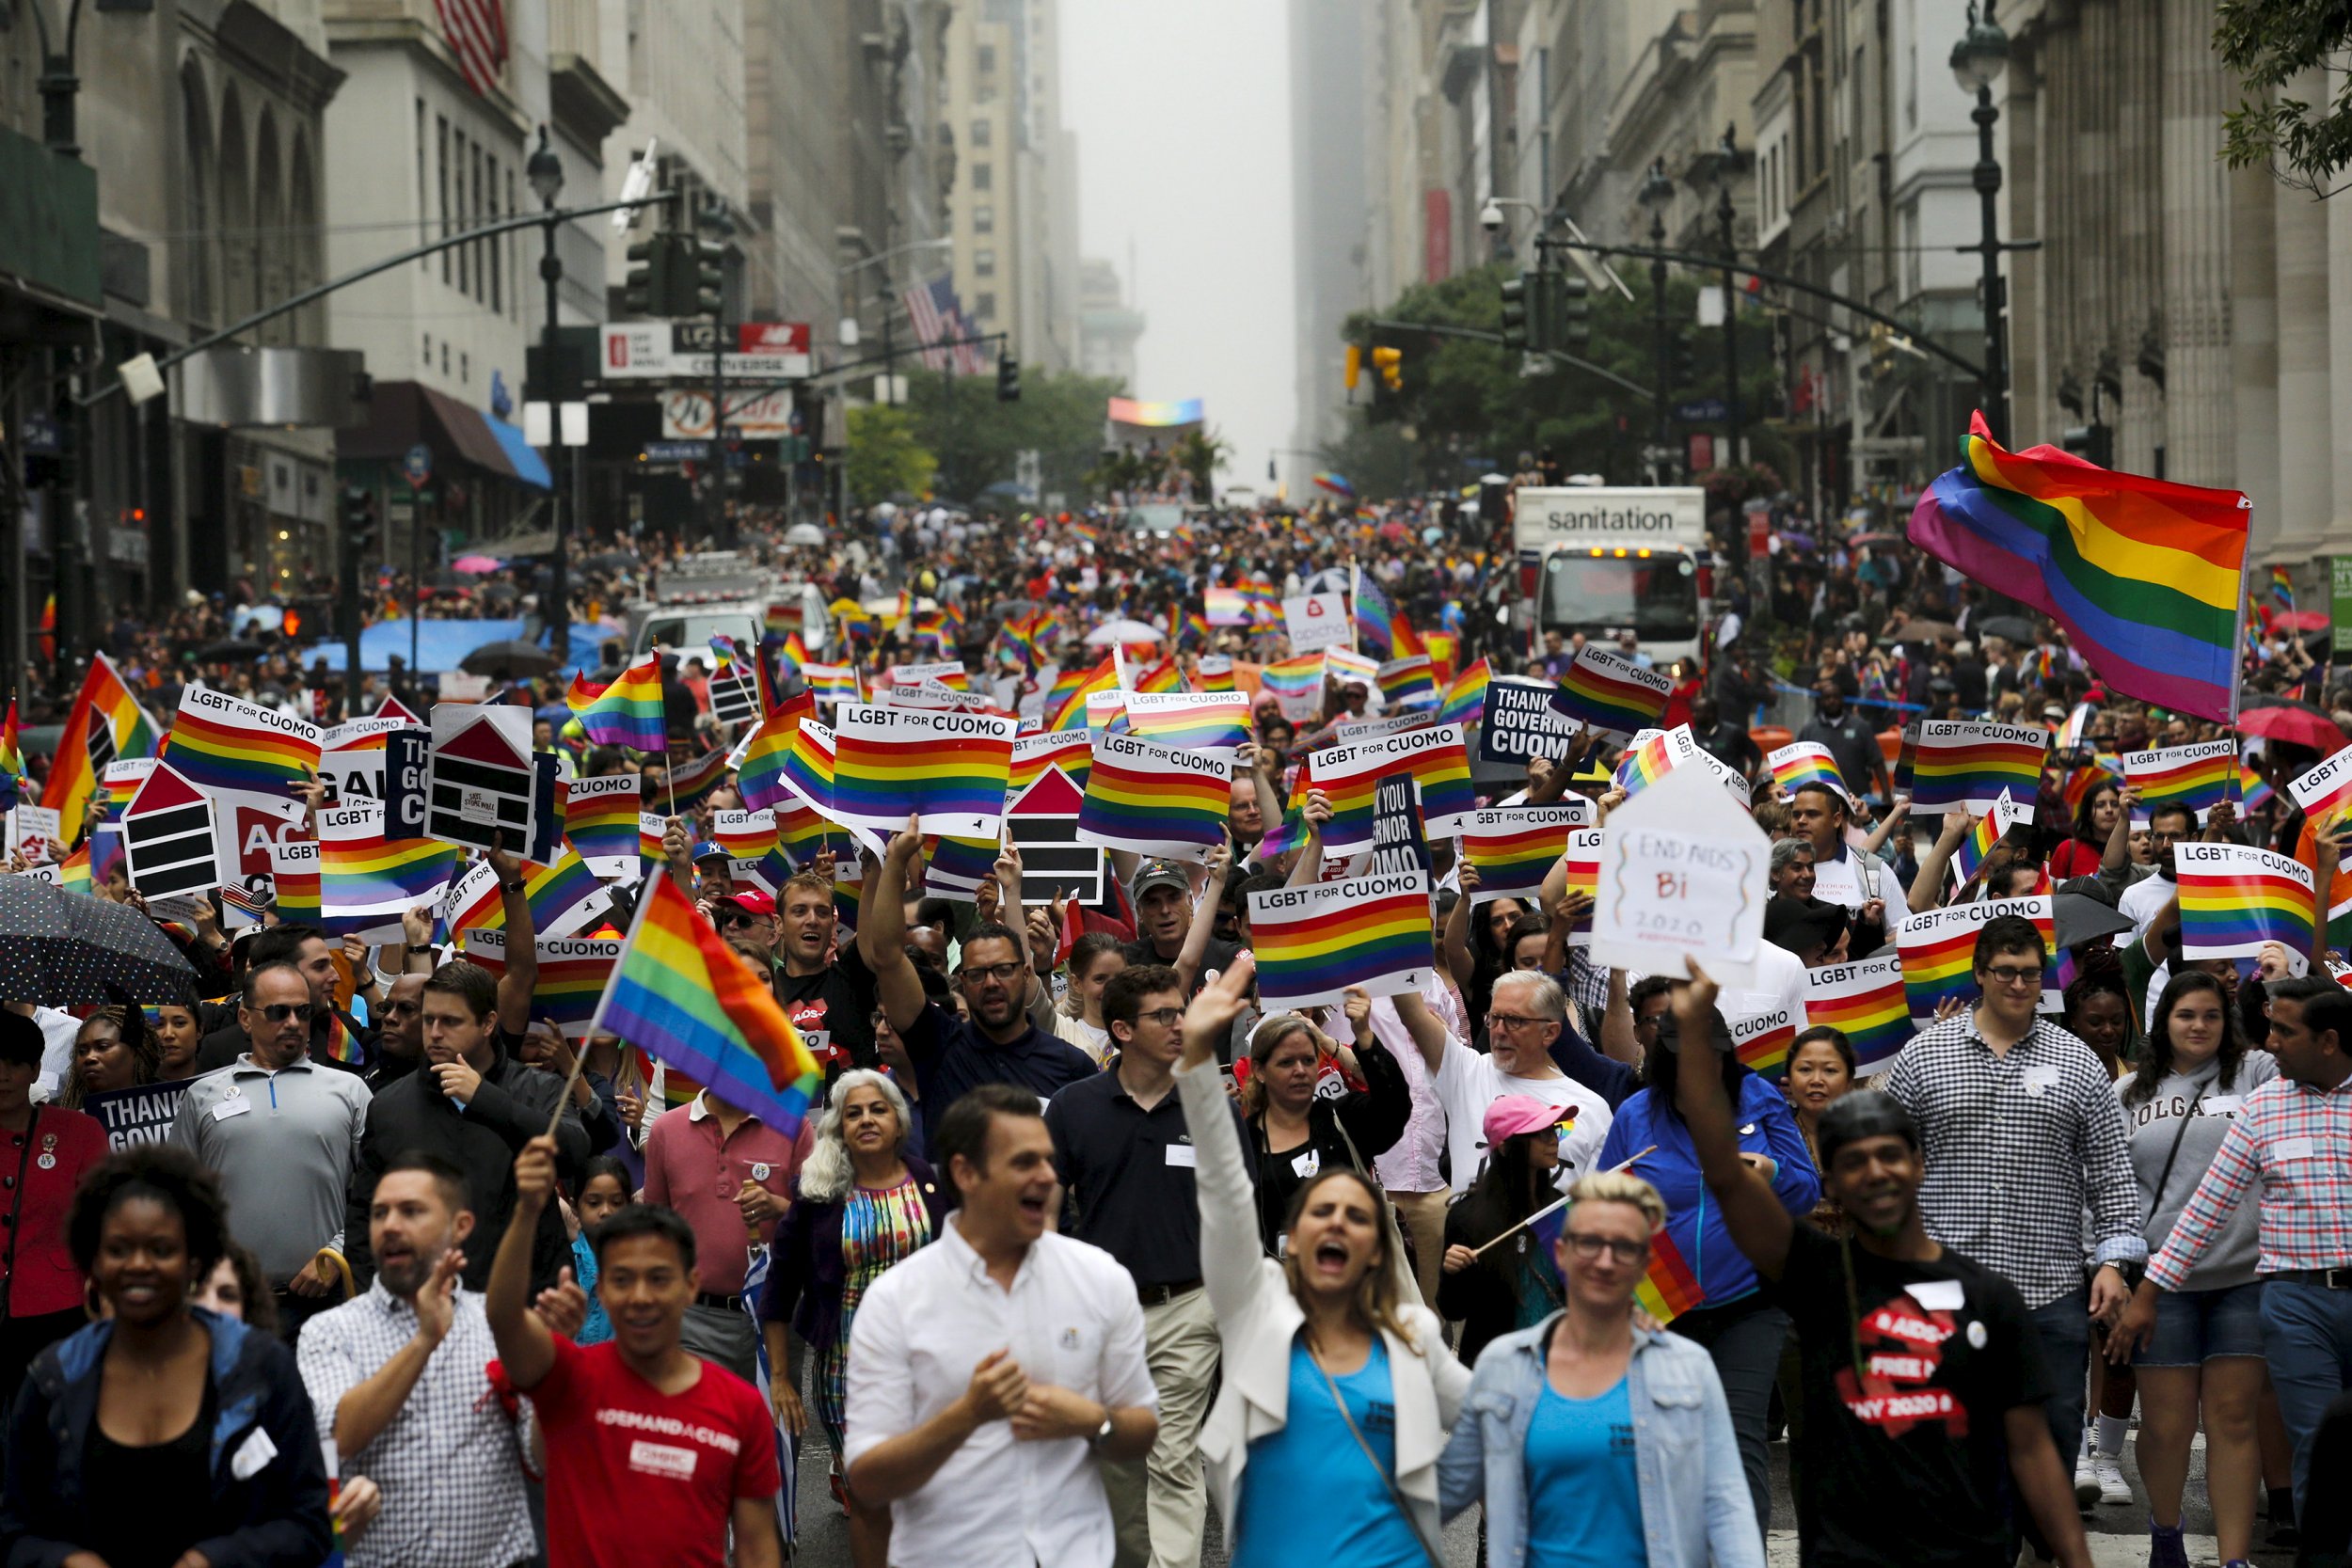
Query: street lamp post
column 718, row 224
column 1978, row 61
column 1658, row 194
column 545, row 173
column 1729, row 163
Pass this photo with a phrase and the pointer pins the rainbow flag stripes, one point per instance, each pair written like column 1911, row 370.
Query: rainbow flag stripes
column 745, row 835
column 1213, row 673
column 600, row 817
column 573, row 972
column 1804, row 762
column 1653, row 755
column 1066, row 699
column 2199, row 776
column 628, row 712
column 294, row 882
column 760, row 768
column 832, row 683
column 651, row 825
column 380, row 873
column 1761, row 1042
column 220, row 743
column 2253, row 790
column 1961, row 765
column 105, row 723
column 1070, row 751
column 950, row 769
column 1938, row 950
column 2325, row 791
column 1156, row 799
column 1866, row 1000
column 1192, row 722
column 2234, row 899
column 1513, row 848
column 1314, row 942
column 1668, row 1288
column 1297, row 685
column 1410, row 682
column 1465, row 701
column 679, row 993
column 1611, row 694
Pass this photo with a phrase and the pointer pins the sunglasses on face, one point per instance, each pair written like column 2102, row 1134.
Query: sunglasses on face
column 279, row 1012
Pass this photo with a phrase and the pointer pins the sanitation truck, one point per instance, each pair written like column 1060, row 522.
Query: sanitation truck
column 1602, row 561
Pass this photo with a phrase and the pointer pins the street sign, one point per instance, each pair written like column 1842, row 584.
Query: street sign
column 1701, row 409
column 662, row 351
column 417, row 466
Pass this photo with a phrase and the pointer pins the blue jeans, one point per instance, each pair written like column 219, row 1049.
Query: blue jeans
column 2307, row 1334
column 2064, row 1329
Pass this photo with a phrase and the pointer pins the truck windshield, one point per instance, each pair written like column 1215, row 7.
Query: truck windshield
column 1657, row 596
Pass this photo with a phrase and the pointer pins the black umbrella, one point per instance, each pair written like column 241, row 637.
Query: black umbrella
column 2080, row 918
column 232, row 649
column 2013, row 628
column 608, row 559
column 61, row 948
column 510, row 657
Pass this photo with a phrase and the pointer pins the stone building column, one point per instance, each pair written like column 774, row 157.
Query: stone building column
column 2306, row 353
column 2199, row 428
column 2253, row 241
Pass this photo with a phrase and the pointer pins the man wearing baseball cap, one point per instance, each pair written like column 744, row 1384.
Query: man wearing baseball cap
column 747, row 918
column 1164, row 916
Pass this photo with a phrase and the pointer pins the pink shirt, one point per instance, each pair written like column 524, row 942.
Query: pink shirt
column 689, row 1169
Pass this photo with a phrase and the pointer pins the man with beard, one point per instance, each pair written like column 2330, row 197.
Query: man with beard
column 828, row 996
column 396, row 1378
column 997, row 1044
column 335, row 1037
column 1924, row 1381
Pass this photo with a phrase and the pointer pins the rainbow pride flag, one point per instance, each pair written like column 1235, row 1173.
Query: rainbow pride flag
column 832, row 683
column 2253, row 790
column 808, row 766
column 692, row 781
column 681, row 993
column 1668, row 1288
column 626, row 713
column 956, row 867
column 2234, row 899
column 1066, row 700
column 1761, row 1043
column 1201, row 722
column 1465, row 701
column 1410, row 682
column 1213, row 673
column 1513, row 848
column 2198, row 776
column 1032, row 755
column 600, row 822
column 1653, row 755
column 1226, row 606
column 1804, row 762
column 222, row 744
column 1968, row 859
column 1294, row 682
column 105, row 723
column 950, row 769
column 1866, row 1000
column 1314, row 942
column 1965, row 765
column 2146, row 575
column 1166, row 676
column 13, row 788
column 1611, row 694
column 760, row 768
column 365, row 881
column 1155, row 800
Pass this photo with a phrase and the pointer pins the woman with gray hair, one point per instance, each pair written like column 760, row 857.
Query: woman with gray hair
column 1792, row 868
column 862, row 1202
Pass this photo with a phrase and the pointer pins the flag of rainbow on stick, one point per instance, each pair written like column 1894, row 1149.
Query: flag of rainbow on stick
column 832, row 684
column 1213, row 673
column 223, row 744
column 1314, row 942
column 1668, row 1288
column 2147, row 576
column 1937, row 948
column 2234, row 899
column 1410, row 682
column 1465, row 701
column 626, row 713
column 1513, row 848
column 105, row 723
column 2198, row 776
column 681, row 993
column 1968, row 859
column 1962, row 765
column 1653, row 755
column 1376, row 618
column 1761, row 1043
column 1866, row 1000
column 1066, row 700
column 1804, row 762
column 1297, row 685
column 1156, row 799
column 11, row 762
column 759, row 769
column 949, row 768
column 692, row 781
column 1611, row 694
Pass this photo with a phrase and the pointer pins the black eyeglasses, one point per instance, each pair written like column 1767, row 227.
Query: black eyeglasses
column 1589, row 1246
column 1167, row 1017
column 279, row 1012
column 1001, row 974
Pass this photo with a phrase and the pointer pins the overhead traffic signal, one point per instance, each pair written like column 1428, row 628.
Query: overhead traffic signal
column 359, row 525
column 1516, row 299
column 646, row 292
column 1007, row 379
column 1685, row 364
column 1351, row 369
column 1571, row 315
column 708, row 276
column 2093, row 443
column 1389, row 364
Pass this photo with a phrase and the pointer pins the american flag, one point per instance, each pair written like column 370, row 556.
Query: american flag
column 475, row 31
column 939, row 320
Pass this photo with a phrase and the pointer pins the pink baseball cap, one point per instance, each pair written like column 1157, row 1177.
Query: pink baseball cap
column 1515, row 1114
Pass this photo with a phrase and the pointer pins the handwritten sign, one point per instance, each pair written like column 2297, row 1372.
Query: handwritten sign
column 1683, row 872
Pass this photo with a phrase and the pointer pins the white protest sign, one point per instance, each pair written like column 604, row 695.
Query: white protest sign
column 1317, row 621
column 2234, row 899
column 480, row 778
column 950, row 767
column 1345, row 771
column 1314, row 942
column 36, row 835
column 2181, row 772
column 1683, row 872
column 168, row 838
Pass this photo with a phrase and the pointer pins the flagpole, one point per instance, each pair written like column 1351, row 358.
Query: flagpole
column 1557, row 1203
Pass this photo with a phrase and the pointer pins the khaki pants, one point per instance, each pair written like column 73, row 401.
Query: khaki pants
column 1422, row 1218
column 1158, row 1503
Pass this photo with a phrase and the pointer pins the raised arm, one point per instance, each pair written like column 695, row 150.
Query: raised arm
column 1927, row 888
column 1429, row 1035
column 882, row 931
column 522, row 944
column 1308, row 870
column 1230, row 1247
column 1753, row 1212
column 1203, row 925
column 524, row 1343
column 1453, row 937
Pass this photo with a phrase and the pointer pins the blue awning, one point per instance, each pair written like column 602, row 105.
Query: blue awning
column 529, row 466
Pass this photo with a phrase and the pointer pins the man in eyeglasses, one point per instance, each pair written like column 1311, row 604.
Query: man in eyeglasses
column 336, row 1039
column 1124, row 1153
column 2022, row 1132
column 281, row 1132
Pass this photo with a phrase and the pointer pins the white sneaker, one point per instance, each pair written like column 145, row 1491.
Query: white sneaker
column 2086, row 1487
column 2113, row 1488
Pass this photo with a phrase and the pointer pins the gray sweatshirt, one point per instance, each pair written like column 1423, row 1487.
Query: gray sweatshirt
column 2150, row 1129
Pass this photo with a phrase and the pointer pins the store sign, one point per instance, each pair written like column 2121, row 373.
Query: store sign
column 663, row 351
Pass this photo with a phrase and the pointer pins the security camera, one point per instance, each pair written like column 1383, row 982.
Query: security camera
column 1490, row 217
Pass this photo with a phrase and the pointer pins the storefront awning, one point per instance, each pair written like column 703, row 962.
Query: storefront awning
column 406, row 414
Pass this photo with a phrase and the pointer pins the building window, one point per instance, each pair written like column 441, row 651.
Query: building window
column 984, row 306
column 460, row 218
column 979, row 133
column 514, row 300
column 497, row 248
column 473, row 219
column 983, row 264
column 465, row 368
column 428, row 351
column 424, row 216
column 985, row 59
column 984, row 219
column 983, row 177
column 441, row 136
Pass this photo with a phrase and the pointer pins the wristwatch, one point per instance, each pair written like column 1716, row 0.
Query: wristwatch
column 1102, row 1433
column 515, row 886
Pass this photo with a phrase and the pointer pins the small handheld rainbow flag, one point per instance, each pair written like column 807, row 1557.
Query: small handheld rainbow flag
column 1611, row 694
column 2198, row 776
column 1297, row 685
column 1653, row 755
column 681, row 993
column 626, row 713
column 1989, row 831
column 759, row 770
column 1066, row 699
column 1668, row 1288
column 1213, row 673
column 1804, row 762
column 1513, row 848
column 1313, row 942
column 1864, row 1000
column 1465, row 701
column 1963, row 765
column 2234, row 899
column 2253, row 790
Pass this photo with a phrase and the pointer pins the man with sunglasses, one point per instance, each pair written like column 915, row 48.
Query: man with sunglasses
column 281, row 1131
column 952, row 1055
column 2023, row 1132
column 337, row 1042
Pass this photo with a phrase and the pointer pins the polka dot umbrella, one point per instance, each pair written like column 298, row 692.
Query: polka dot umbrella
column 59, row 948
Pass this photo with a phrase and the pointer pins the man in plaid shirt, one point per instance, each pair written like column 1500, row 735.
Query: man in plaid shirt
column 2295, row 1134
column 2022, row 1133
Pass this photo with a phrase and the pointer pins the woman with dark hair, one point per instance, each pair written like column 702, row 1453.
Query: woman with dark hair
column 237, row 1288
column 605, row 1190
column 43, row 1152
column 2203, row 1353
column 1300, row 1129
column 1528, row 944
column 178, row 1027
column 1738, row 1322
column 2099, row 1013
column 112, row 1049
column 1821, row 1072
column 1508, row 1286
column 201, row 1419
column 2100, row 820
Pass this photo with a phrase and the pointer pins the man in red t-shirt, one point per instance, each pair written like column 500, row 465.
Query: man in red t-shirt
column 689, row 1445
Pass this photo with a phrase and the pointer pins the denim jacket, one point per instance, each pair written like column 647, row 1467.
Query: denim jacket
column 1696, row 1508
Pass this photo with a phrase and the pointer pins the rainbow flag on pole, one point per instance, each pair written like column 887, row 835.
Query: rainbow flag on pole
column 105, row 723
column 1865, row 1000
column 2146, row 575
column 1066, row 699
column 1410, row 682
column 681, row 993
column 1989, row 829
column 1297, row 685
column 1668, row 1288
column 1313, row 942
column 2234, row 899
column 1962, row 765
column 759, row 769
column 1611, row 694
column 626, row 713
column 1465, row 700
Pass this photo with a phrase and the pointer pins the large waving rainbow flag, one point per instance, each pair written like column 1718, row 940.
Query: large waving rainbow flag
column 105, row 723
column 2147, row 576
column 1066, row 699
column 1465, row 701
column 681, row 993
column 628, row 712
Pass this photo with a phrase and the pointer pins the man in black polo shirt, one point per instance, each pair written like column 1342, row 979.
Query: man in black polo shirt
column 997, row 1044
column 828, row 996
column 1124, row 1153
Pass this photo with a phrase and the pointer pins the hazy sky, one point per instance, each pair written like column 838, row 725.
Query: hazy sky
column 1182, row 118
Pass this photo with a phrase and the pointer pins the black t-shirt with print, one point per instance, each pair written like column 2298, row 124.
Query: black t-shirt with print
column 1908, row 1460
column 833, row 1009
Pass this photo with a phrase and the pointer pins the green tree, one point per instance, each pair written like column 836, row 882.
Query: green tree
column 887, row 459
column 1200, row 454
column 978, row 440
column 2269, row 43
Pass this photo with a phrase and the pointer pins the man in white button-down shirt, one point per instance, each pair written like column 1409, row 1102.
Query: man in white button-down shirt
column 991, row 1372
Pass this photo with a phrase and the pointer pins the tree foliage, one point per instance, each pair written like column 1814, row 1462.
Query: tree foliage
column 978, row 440
column 2269, row 43
column 887, row 461
column 1464, row 408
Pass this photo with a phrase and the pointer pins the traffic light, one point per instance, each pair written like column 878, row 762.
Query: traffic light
column 1571, row 316
column 647, row 289
column 1686, row 371
column 1389, row 363
column 2093, row 443
column 1351, row 369
column 709, row 277
column 360, row 529
column 1515, row 337
column 1007, row 379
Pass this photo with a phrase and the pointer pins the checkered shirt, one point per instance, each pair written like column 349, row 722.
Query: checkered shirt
column 450, row 1464
column 2298, row 1141
column 2017, row 1146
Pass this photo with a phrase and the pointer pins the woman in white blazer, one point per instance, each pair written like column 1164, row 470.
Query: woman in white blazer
column 1337, row 1395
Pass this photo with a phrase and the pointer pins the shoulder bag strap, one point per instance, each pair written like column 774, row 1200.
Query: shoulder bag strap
column 1388, row 1480
column 2155, row 1204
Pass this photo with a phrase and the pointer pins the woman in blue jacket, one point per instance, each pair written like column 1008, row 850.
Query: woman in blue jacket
column 204, row 1451
column 1732, row 1315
